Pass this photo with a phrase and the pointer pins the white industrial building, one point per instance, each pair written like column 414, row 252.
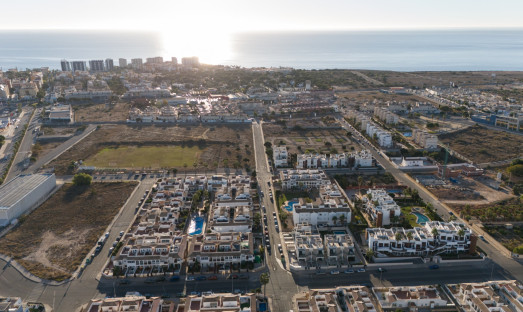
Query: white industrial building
column 23, row 192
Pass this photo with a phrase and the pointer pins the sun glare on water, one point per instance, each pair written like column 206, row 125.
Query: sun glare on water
column 210, row 47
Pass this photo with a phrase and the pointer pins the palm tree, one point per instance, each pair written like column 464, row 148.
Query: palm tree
column 409, row 235
column 369, row 254
column 398, row 236
column 335, row 219
column 264, row 280
column 435, row 232
column 342, row 219
column 461, row 233
column 360, row 182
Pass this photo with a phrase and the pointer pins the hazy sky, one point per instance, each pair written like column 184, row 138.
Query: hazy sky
column 197, row 17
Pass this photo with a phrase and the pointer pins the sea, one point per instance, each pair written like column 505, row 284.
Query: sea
column 412, row 50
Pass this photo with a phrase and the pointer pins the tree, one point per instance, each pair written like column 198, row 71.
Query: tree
column 461, row 233
column 82, row 179
column 434, row 232
column 409, row 235
column 264, row 280
column 335, row 219
column 369, row 254
column 360, row 182
column 342, row 219
column 398, row 236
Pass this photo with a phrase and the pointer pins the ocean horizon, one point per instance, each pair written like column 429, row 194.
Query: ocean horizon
column 397, row 50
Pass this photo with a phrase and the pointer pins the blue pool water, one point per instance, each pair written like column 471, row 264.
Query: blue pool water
column 196, row 226
column 289, row 205
column 339, row 232
column 422, row 219
column 407, row 134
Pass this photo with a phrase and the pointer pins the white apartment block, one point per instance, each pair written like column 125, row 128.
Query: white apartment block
column 303, row 179
column 230, row 218
column 422, row 240
column 130, row 303
column 309, row 248
column 148, row 247
column 363, row 158
column 386, row 116
column 220, row 250
column 349, row 298
column 492, row 296
column 280, row 156
column 384, row 137
column 329, row 209
column 221, row 302
column 424, row 108
column 12, row 304
column 339, row 248
column 313, row 161
column 424, row 139
column 411, row 298
column 380, row 207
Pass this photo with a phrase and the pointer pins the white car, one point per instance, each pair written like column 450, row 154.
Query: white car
column 335, row 272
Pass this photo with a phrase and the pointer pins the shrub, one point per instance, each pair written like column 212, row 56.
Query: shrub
column 82, row 179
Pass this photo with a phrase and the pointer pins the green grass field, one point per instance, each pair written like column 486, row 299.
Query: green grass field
column 145, row 157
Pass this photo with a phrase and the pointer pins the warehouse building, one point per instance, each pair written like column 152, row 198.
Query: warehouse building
column 23, row 192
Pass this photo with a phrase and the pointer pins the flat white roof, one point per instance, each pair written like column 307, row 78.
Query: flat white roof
column 17, row 188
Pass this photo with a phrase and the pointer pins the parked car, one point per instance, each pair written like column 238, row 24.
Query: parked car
column 335, row 272
column 348, row 271
column 212, row 278
column 361, row 270
column 382, row 270
column 121, row 233
column 434, row 267
column 320, row 272
column 190, row 278
column 280, row 249
column 232, row 276
column 201, row 278
column 174, row 278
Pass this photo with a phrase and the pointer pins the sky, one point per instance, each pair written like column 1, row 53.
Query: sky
column 199, row 17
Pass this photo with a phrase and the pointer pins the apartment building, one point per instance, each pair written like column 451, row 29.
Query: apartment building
column 339, row 248
column 514, row 122
column 424, row 139
column 432, row 239
column 96, row 65
column 280, row 156
column 386, row 116
column 78, row 66
column 412, row 298
column 151, row 247
column 309, row 248
column 130, row 303
column 100, row 95
column 61, row 113
column 154, row 60
column 363, row 158
column 221, row 302
column 220, row 250
column 313, row 161
column 383, row 137
column 492, row 296
column 330, row 208
column 424, row 108
column 347, row 298
column 380, row 207
column 65, row 65
column 28, row 90
column 303, row 179
column 225, row 218
column 109, row 64
column 122, row 62
column 137, row 63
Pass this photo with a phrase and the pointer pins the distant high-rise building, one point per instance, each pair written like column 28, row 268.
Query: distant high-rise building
column 78, row 65
column 96, row 65
column 155, row 60
column 174, row 60
column 66, row 66
column 122, row 62
column 190, row 61
column 109, row 64
column 137, row 62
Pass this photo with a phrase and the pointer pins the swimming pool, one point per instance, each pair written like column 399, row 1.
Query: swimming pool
column 339, row 232
column 289, row 205
column 196, row 226
column 422, row 219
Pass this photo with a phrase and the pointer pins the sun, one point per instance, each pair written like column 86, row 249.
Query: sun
column 212, row 47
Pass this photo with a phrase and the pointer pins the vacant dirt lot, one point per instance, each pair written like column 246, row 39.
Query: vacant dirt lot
column 483, row 145
column 314, row 140
column 361, row 97
column 102, row 112
column 220, row 145
column 53, row 240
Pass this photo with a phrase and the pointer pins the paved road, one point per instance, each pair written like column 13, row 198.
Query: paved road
column 47, row 158
column 493, row 251
column 281, row 286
